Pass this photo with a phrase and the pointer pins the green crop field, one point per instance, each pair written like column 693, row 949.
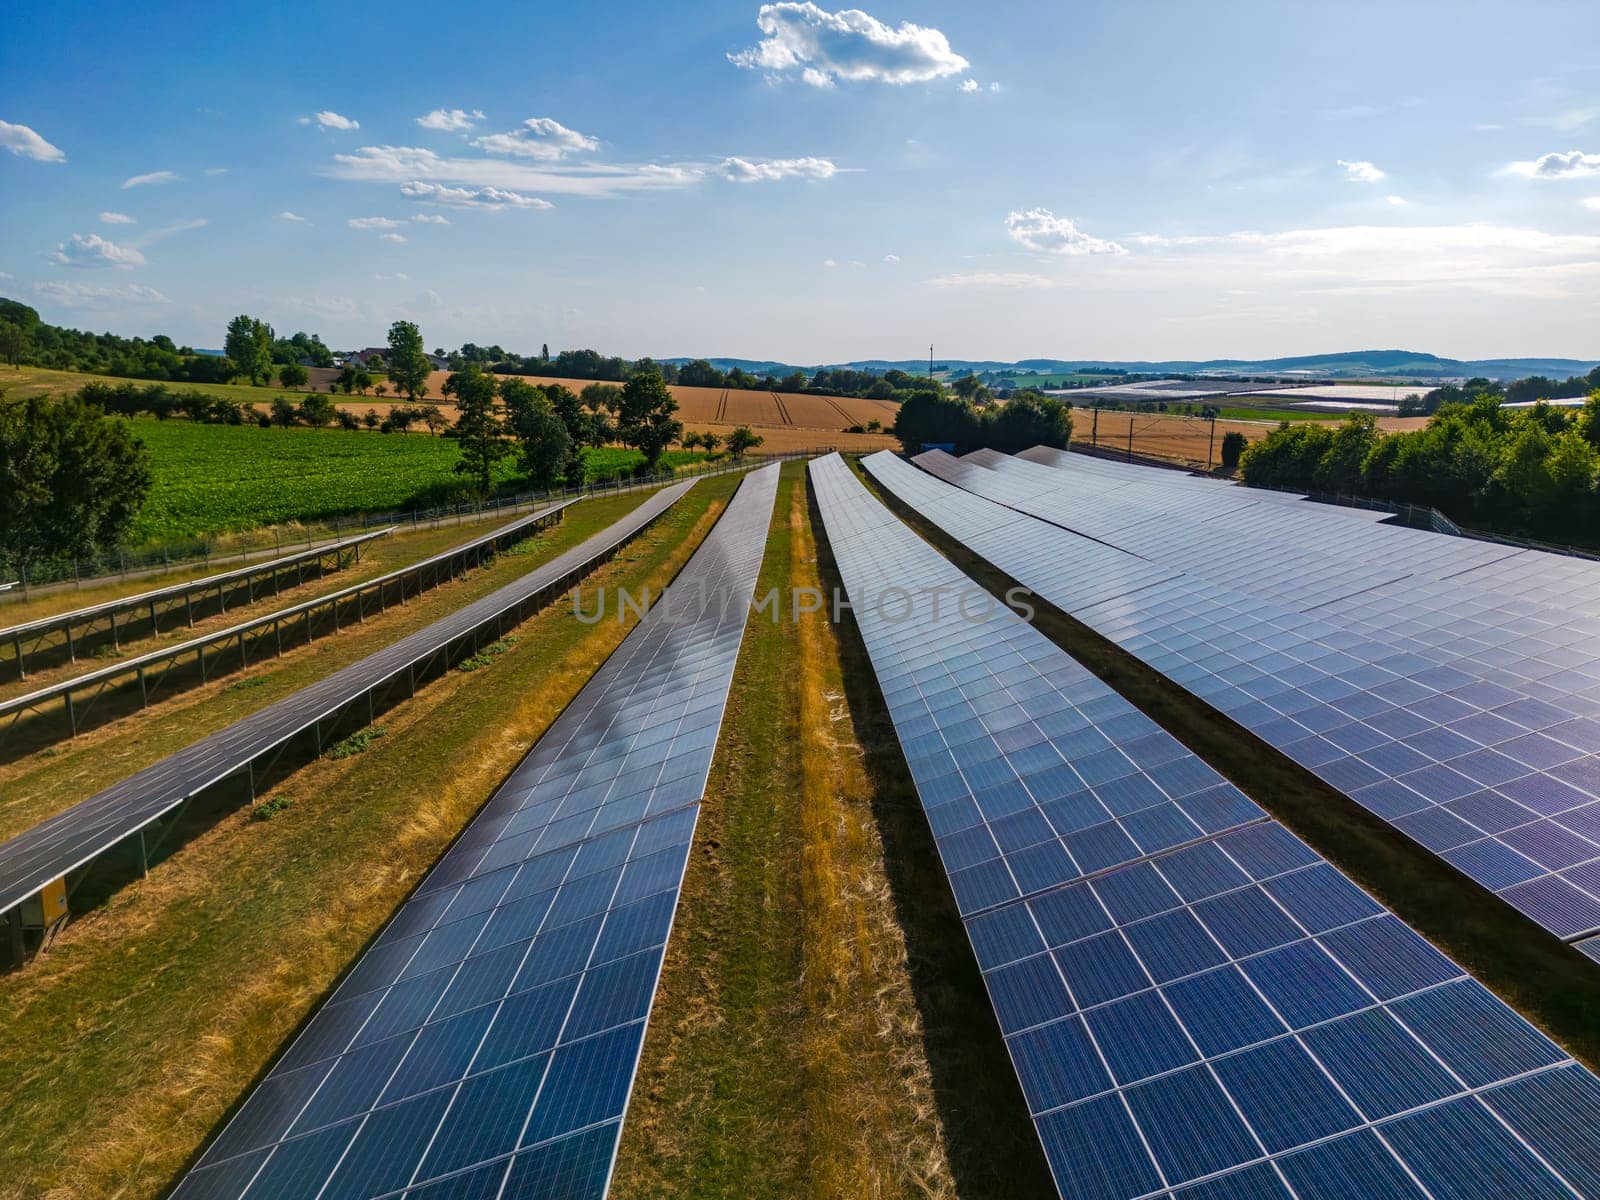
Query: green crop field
column 225, row 478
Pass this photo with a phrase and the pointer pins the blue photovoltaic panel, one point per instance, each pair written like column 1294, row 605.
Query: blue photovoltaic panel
column 1224, row 1016
column 1451, row 687
column 485, row 1045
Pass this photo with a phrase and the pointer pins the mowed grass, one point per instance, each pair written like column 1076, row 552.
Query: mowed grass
column 821, row 1029
column 50, row 780
column 128, row 1043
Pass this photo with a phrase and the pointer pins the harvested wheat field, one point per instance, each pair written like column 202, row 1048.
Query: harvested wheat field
column 697, row 406
column 1180, row 438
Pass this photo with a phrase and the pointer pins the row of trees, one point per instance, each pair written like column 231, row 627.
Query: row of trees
column 1027, row 419
column 1520, row 391
column 1532, row 472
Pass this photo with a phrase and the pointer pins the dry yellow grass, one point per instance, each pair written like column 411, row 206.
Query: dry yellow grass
column 1180, row 438
column 786, row 1056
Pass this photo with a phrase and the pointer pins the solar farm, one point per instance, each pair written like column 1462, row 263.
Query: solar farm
column 995, row 826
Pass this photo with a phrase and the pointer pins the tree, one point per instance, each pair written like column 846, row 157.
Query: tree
column 644, row 409
column 930, row 418
column 431, row 416
column 1027, row 419
column 479, row 428
column 689, row 440
column 292, row 376
column 249, row 347
column 347, row 420
column 700, row 373
column 544, row 353
column 409, row 365
column 371, row 419
column 547, row 450
column 283, row 411
column 741, row 439
column 316, row 410
column 71, row 478
column 381, row 391
column 710, row 441
column 1233, row 444
column 13, row 342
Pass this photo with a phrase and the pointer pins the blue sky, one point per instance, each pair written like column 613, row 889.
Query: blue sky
column 789, row 181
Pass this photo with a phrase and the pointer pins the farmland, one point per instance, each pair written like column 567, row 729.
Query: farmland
column 220, row 478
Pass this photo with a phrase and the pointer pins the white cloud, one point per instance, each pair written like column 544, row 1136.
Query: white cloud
column 116, row 218
column 92, row 250
column 991, row 279
column 413, row 164
column 891, row 259
column 1041, row 230
column 1377, row 258
column 969, row 86
column 6, row 275
column 216, row 170
column 331, row 120
column 822, row 47
column 450, row 120
column 491, row 198
column 92, row 296
column 1592, row 203
column 373, row 223
column 286, row 215
column 539, row 137
column 1570, row 164
column 430, row 219
column 396, row 275
column 398, row 238
column 21, row 140
column 830, row 263
column 745, row 170
column 1361, row 171
column 1396, row 201
column 168, row 230
column 153, row 177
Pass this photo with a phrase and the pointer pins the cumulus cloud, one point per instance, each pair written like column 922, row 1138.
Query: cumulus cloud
column 150, row 179
column 801, row 39
column 392, row 237
column 1568, row 164
column 116, row 218
column 891, row 259
column 538, row 137
column 92, row 250
column 1360, row 171
column 413, row 164
column 1396, row 201
column 492, row 198
column 1592, row 203
column 972, row 86
column 331, row 120
column 830, row 263
column 451, row 120
column 991, row 279
column 430, row 219
column 21, row 140
column 745, row 170
column 1041, row 230
column 286, row 215
column 373, row 223
column 92, row 296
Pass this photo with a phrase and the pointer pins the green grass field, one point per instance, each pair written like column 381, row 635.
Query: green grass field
column 41, row 381
column 225, row 478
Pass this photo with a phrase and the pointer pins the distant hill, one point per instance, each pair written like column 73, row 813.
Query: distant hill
column 1353, row 364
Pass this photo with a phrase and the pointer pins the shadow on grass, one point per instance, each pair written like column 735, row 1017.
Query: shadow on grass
column 993, row 1149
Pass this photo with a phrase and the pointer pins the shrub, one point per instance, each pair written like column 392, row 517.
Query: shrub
column 1233, row 444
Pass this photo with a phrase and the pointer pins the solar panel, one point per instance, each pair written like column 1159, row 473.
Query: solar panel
column 1406, row 669
column 1215, row 1014
column 485, row 1045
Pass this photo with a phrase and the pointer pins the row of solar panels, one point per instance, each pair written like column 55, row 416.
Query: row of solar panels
column 77, row 835
column 485, row 1045
column 1197, row 1005
column 1409, row 670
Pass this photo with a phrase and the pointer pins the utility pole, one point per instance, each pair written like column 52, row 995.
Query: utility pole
column 1094, row 434
column 1212, row 443
column 930, row 364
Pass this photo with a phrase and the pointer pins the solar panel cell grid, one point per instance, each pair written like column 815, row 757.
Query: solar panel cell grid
column 486, row 1043
column 1228, row 1017
column 1429, row 684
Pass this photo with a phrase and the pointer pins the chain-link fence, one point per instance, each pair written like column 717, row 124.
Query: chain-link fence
column 222, row 550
